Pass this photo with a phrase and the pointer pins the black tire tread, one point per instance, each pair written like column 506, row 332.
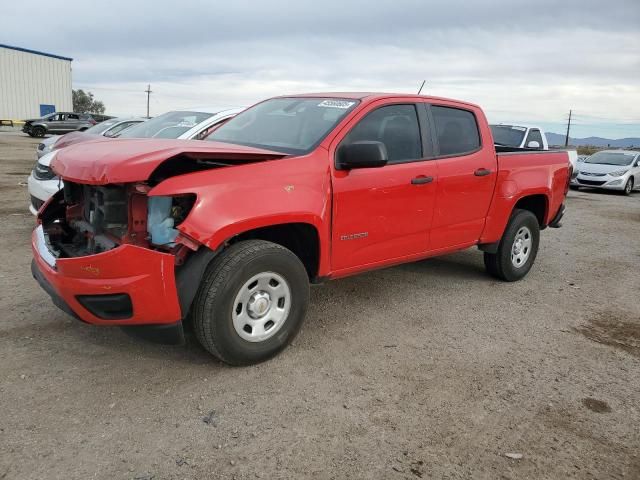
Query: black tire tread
column 216, row 275
column 494, row 262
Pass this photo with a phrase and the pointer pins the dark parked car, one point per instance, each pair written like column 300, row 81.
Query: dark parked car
column 61, row 122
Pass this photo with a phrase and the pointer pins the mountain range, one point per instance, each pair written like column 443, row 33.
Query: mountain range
column 558, row 139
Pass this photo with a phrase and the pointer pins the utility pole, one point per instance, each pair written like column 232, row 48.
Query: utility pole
column 420, row 89
column 566, row 139
column 148, row 91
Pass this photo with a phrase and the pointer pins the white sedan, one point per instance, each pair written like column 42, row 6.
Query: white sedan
column 193, row 124
column 610, row 170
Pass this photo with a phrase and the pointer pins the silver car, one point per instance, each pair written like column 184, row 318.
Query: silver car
column 610, row 170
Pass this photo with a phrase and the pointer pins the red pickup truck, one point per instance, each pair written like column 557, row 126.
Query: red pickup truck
column 229, row 233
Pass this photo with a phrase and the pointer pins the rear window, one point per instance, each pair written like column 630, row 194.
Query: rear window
column 508, row 135
column 456, row 129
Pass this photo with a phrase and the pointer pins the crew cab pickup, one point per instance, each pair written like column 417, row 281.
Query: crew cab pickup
column 228, row 235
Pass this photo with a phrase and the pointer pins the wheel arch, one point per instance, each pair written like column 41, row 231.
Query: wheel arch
column 538, row 204
column 302, row 238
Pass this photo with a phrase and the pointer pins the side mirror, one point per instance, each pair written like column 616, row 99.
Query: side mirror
column 364, row 154
column 533, row 144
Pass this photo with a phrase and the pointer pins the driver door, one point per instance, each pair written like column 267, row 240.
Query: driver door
column 382, row 215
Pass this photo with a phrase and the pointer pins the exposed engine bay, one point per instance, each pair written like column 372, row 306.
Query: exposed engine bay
column 85, row 219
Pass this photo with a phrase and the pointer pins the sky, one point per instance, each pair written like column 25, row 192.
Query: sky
column 522, row 61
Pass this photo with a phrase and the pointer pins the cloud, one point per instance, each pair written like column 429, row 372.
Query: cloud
column 522, row 61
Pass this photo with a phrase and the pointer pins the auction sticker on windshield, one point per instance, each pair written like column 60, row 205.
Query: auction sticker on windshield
column 336, row 104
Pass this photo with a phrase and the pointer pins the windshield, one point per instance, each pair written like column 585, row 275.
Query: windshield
column 288, row 125
column 100, row 128
column 167, row 125
column 611, row 158
column 508, row 135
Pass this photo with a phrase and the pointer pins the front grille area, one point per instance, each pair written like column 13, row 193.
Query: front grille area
column 36, row 202
column 595, row 183
column 590, row 174
column 42, row 172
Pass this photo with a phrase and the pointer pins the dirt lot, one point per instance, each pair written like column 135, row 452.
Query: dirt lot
column 428, row 370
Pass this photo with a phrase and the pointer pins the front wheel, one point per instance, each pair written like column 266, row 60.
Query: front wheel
column 517, row 249
column 251, row 303
column 37, row 132
column 628, row 187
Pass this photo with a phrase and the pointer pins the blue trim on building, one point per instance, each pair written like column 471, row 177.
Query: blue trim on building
column 36, row 52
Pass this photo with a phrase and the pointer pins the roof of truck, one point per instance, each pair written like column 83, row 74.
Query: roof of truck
column 371, row 96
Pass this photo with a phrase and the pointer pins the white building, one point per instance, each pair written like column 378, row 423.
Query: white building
column 33, row 83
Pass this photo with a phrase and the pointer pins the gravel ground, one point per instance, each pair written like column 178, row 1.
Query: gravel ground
column 427, row 370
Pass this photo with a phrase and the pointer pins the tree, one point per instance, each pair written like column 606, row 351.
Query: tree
column 83, row 102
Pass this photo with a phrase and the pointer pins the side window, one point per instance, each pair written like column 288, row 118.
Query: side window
column 72, row 116
column 396, row 126
column 456, row 129
column 534, row 136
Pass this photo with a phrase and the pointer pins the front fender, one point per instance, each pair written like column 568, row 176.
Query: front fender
column 234, row 199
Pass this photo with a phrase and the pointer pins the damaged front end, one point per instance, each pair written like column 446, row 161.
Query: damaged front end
column 86, row 220
column 111, row 254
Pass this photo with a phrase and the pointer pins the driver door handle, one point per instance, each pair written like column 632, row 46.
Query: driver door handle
column 482, row 172
column 421, row 180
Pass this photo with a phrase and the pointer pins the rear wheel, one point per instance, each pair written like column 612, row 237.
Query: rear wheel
column 37, row 132
column 628, row 187
column 517, row 249
column 251, row 303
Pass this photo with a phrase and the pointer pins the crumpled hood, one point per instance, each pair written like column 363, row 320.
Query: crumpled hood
column 133, row 160
column 600, row 168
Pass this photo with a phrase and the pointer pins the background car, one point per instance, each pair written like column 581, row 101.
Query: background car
column 193, row 124
column 109, row 128
column 183, row 124
column 519, row 136
column 61, row 122
column 610, row 170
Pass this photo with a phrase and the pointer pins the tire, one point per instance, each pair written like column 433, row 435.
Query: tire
column 511, row 263
column 37, row 132
column 228, row 309
column 628, row 187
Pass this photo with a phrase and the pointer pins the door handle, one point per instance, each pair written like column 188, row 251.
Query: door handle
column 421, row 180
column 482, row 172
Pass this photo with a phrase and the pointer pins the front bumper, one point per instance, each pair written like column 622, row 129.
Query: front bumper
column 147, row 277
column 606, row 182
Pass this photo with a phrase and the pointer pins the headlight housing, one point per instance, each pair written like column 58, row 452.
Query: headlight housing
column 618, row 173
column 164, row 214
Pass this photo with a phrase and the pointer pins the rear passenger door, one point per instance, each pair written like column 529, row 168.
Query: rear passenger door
column 382, row 214
column 71, row 122
column 466, row 177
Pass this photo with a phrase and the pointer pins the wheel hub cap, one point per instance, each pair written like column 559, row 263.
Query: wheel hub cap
column 259, row 304
column 261, row 307
column 521, row 248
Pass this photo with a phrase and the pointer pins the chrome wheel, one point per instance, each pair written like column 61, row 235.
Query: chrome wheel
column 521, row 248
column 261, row 307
